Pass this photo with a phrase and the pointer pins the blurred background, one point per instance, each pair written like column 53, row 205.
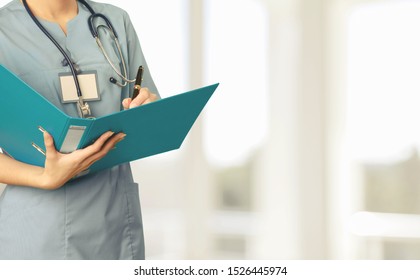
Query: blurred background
column 308, row 149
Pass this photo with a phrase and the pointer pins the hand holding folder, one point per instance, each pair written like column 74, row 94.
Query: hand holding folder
column 20, row 137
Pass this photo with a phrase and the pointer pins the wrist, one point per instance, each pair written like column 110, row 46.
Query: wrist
column 47, row 181
column 13, row 172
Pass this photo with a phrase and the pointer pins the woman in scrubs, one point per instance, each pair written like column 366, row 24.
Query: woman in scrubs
column 44, row 214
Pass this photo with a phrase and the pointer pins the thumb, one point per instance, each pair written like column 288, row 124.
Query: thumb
column 126, row 103
column 49, row 144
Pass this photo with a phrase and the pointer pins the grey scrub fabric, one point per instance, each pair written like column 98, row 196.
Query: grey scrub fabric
column 96, row 216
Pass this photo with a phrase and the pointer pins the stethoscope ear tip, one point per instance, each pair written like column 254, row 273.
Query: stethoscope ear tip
column 115, row 82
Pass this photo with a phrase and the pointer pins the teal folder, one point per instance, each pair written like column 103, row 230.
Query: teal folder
column 159, row 127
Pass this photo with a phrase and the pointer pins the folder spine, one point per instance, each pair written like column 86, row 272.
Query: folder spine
column 74, row 134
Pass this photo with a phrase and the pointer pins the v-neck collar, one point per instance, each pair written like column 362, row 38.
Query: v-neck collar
column 54, row 28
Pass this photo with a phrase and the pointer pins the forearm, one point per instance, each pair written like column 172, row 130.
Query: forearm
column 17, row 173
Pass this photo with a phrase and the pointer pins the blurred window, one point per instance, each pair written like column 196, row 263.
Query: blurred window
column 235, row 55
column 383, row 121
column 235, row 125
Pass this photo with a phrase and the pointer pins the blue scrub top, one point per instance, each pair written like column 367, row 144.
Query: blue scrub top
column 96, row 216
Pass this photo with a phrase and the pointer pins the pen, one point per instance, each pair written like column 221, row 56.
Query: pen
column 137, row 84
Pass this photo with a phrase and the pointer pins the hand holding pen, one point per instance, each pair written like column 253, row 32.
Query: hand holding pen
column 141, row 95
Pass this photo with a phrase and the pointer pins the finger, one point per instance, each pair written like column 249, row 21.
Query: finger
column 153, row 97
column 139, row 100
column 126, row 103
column 147, row 101
column 97, row 146
column 49, row 144
column 109, row 145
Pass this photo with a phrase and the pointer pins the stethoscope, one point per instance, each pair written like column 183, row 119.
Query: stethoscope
column 83, row 107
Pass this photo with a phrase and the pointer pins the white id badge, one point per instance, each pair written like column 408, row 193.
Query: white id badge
column 88, row 85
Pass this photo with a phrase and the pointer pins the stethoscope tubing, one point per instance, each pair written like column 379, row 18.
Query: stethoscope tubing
column 83, row 108
column 95, row 35
column 63, row 52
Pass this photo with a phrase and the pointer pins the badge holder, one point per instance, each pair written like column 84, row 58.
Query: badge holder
column 89, row 86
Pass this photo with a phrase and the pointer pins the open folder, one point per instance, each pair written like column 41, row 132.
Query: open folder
column 159, row 126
